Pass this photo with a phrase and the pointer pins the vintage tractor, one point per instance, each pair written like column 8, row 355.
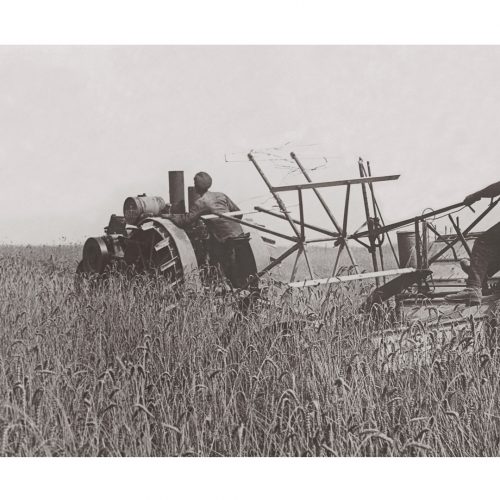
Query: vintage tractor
column 142, row 241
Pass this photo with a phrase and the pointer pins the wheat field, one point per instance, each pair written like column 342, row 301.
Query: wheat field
column 135, row 368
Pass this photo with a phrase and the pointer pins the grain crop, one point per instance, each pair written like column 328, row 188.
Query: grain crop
column 134, row 367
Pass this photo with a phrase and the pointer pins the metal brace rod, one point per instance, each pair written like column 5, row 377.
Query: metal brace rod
column 361, row 242
column 258, row 227
column 277, row 197
column 301, row 215
column 343, row 241
column 316, row 192
column 378, row 213
column 396, row 225
column 465, row 232
column 371, row 234
column 303, row 249
column 460, row 235
column 309, row 226
column 279, row 259
column 375, row 214
column 418, row 245
column 295, row 264
column 441, row 238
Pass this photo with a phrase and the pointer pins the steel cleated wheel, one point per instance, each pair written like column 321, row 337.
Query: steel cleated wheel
column 157, row 246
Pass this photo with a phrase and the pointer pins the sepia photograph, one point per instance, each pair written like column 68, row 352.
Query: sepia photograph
column 249, row 250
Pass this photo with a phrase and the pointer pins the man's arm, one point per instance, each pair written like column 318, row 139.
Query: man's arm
column 231, row 205
column 183, row 220
column 488, row 192
column 491, row 191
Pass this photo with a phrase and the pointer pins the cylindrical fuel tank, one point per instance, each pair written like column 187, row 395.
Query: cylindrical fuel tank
column 137, row 206
column 406, row 249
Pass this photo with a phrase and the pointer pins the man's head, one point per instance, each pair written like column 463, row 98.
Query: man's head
column 202, row 182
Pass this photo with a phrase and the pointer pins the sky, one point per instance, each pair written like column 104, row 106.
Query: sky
column 82, row 128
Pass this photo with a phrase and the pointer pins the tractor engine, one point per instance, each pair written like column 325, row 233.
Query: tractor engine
column 144, row 241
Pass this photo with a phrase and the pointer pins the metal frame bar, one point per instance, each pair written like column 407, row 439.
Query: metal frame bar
column 306, row 258
column 394, row 253
column 295, row 264
column 375, row 215
column 315, row 185
column 321, row 240
column 301, row 215
column 346, row 211
column 425, row 245
column 350, row 277
column 369, row 220
column 303, row 250
column 418, row 251
column 418, row 246
column 337, row 259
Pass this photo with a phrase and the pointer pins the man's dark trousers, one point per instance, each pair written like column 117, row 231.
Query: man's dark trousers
column 485, row 258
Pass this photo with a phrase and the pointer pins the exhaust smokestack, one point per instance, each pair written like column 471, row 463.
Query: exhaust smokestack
column 176, row 191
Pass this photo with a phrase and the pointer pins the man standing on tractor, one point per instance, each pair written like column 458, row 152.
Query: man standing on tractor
column 226, row 234
column 485, row 257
